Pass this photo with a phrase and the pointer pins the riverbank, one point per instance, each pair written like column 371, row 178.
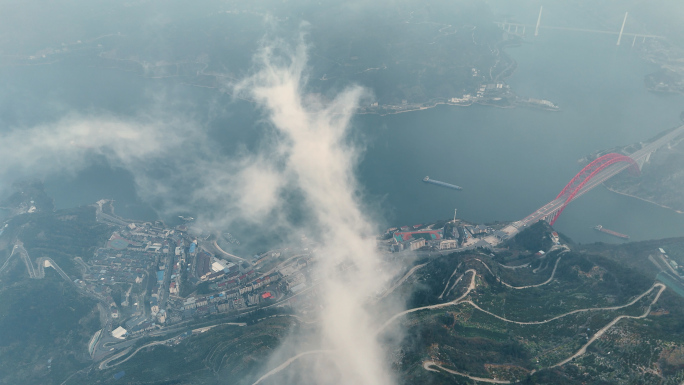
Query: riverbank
column 643, row 199
column 518, row 102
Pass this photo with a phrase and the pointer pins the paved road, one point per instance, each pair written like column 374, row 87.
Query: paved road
column 613, row 322
column 639, row 156
column 19, row 248
column 288, row 362
column 293, row 359
column 458, row 300
column 428, row 365
column 401, row 280
column 609, row 308
column 528, row 286
column 213, row 248
column 449, row 280
column 105, row 363
column 4, row 265
column 44, row 262
column 38, row 271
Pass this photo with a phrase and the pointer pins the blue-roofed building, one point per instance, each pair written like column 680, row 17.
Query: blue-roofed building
column 192, row 247
column 160, row 276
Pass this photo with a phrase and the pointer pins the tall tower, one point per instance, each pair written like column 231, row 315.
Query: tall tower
column 536, row 31
column 622, row 29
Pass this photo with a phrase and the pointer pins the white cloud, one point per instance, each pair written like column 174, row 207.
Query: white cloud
column 69, row 144
column 315, row 158
column 307, row 154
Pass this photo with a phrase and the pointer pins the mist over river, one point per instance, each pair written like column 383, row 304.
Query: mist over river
column 509, row 161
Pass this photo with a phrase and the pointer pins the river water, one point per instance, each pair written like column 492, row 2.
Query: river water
column 509, row 161
column 512, row 161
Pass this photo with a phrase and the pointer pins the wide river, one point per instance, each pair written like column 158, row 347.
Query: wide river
column 512, row 161
column 509, row 161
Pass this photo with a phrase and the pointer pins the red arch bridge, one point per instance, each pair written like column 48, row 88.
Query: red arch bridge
column 575, row 188
column 589, row 177
column 593, row 175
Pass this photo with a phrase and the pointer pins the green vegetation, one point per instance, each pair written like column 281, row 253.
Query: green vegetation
column 465, row 339
column 27, row 194
column 42, row 320
column 233, row 354
column 48, row 319
column 61, row 235
column 46, row 324
column 534, row 238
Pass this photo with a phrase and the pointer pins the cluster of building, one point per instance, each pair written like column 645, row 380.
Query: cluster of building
column 110, row 266
column 173, row 259
column 222, row 302
column 406, row 238
column 134, row 254
column 129, row 256
column 210, row 268
column 411, row 239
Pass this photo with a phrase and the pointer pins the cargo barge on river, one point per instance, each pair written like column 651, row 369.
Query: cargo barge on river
column 611, row 232
column 440, row 183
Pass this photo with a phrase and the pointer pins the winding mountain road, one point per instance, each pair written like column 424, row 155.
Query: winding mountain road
column 611, row 308
column 434, row 366
column 289, row 362
column 611, row 324
column 401, row 281
column 427, row 365
column 458, row 300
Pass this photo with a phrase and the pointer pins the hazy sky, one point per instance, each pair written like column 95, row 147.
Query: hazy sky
column 301, row 155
